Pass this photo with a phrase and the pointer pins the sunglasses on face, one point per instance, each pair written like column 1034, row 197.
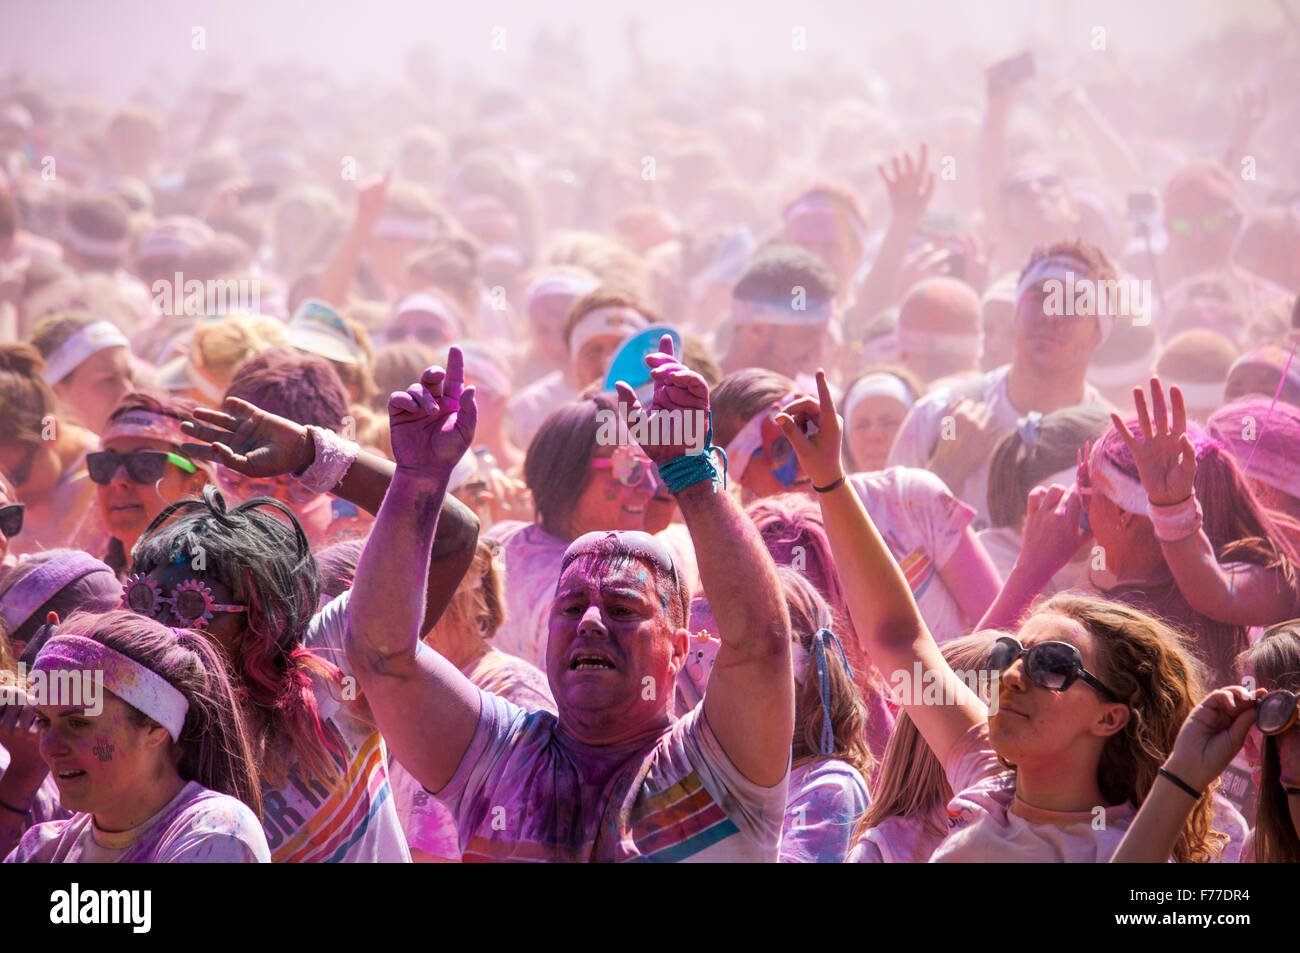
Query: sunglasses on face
column 247, row 488
column 629, row 469
column 142, row 466
column 11, row 519
column 1208, row 224
column 1275, row 713
column 191, row 601
column 1051, row 665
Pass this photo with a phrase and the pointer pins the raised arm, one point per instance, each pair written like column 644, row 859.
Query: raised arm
column 749, row 701
column 880, row 601
column 1208, row 741
column 251, row 441
column 910, row 188
column 342, row 267
column 425, row 708
column 1237, row 594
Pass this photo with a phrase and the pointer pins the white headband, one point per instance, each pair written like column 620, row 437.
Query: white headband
column 780, row 311
column 1117, row 486
column 877, row 385
column 417, row 229
column 912, row 341
column 750, row 438
column 569, row 286
column 91, row 339
column 95, row 247
column 1199, row 393
column 1065, row 269
column 1119, row 375
column 613, row 320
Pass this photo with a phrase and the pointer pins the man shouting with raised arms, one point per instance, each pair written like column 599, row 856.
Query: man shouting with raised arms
column 616, row 776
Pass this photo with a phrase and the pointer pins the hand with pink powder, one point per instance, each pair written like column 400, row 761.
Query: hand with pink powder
column 678, row 391
column 432, row 423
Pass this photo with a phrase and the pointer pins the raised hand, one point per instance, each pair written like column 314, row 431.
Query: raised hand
column 432, row 423
column 1213, row 734
column 817, row 446
column 678, row 393
column 371, row 199
column 1051, row 535
column 249, row 440
column 1166, row 457
column 910, row 186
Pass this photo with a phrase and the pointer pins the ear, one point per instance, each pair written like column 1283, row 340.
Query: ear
column 1112, row 721
column 156, row 736
column 681, row 646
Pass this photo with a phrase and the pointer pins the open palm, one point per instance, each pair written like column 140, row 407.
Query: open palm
column 1165, row 456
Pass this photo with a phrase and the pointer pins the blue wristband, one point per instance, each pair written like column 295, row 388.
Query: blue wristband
column 693, row 468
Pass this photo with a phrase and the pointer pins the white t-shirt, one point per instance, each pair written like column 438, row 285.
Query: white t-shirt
column 826, row 799
column 531, row 557
column 355, row 820
column 196, row 826
column 522, row 793
column 922, row 523
column 916, row 439
column 899, row 840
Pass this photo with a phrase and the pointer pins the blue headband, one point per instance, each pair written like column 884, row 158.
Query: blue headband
column 823, row 683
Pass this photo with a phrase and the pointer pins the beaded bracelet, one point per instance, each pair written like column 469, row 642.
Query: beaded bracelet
column 692, row 468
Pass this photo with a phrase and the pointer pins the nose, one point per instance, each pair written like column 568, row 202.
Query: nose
column 52, row 746
column 1014, row 675
column 591, row 623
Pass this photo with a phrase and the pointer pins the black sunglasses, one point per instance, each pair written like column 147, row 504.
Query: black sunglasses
column 11, row 519
column 142, row 466
column 1051, row 665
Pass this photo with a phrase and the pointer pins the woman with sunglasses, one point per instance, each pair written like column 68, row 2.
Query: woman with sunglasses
column 139, row 470
column 44, row 459
column 1063, row 713
column 11, row 524
column 578, row 485
column 1210, row 739
column 163, row 772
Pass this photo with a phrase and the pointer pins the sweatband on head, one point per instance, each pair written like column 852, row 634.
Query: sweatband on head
column 1068, row 271
column 142, row 689
column 912, row 341
column 562, row 286
column 421, row 302
column 750, row 438
column 1117, row 486
column 781, row 312
column 84, row 244
column 145, row 424
column 90, row 340
column 44, row 583
column 620, row 321
column 877, row 385
column 410, row 229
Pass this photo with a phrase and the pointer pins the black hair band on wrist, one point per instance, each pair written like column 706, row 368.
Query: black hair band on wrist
column 16, row 810
column 830, row 486
column 1175, row 779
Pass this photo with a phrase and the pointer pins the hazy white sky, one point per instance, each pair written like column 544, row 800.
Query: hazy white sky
column 112, row 44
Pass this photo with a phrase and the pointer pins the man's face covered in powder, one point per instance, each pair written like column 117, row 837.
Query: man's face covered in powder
column 612, row 654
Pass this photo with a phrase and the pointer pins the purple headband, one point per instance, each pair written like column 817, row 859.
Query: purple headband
column 45, row 582
column 126, row 678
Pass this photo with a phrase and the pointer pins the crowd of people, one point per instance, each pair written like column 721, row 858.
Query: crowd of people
column 809, row 470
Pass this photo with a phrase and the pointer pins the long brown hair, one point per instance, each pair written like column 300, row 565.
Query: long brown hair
column 912, row 783
column 1274, row 661
column 1152, row 667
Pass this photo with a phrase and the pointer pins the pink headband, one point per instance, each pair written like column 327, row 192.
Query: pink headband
column 146, row 424
column 139, row 687
column 750, row 438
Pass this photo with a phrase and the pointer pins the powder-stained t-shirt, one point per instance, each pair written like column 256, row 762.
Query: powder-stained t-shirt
column 354, row 820
column 197, row 826
column 428, row 825
column 532, row 558
column 989, row 824
column 825, row 801
column 922, row 524
column 523, row 792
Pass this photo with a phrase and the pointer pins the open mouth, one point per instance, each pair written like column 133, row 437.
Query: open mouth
column 590, row 663
column 69, row 775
